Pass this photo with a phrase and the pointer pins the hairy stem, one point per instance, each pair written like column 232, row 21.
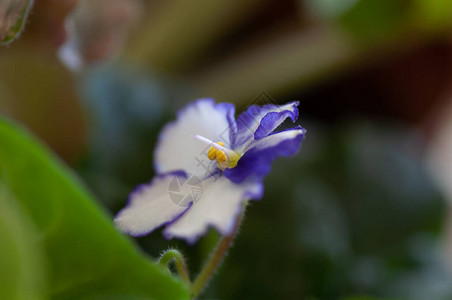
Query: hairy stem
column 181, row 266
column 215, row 258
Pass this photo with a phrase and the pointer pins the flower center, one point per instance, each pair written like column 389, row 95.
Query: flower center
column 225, row 157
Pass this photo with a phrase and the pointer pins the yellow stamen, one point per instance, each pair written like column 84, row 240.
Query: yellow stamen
column 215, row 153
column 225, row 157
column 221, row 157
column 212, row 154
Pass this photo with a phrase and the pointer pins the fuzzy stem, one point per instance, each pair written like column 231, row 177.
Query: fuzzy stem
column 178, row 258
column 215, row 258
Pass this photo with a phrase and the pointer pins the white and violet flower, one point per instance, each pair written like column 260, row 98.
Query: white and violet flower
column 230, row 157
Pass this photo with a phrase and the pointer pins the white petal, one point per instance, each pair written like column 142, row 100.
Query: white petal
column 149, row 207
column 219, row 207
column 277, row 138
column 177, row 150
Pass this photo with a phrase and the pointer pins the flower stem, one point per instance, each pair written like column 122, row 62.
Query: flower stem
column 181, row 266
column 215, row 258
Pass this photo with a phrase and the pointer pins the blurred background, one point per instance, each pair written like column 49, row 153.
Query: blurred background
column 362, row 211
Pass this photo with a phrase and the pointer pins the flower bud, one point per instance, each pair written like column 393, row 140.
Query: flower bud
column 13, row 14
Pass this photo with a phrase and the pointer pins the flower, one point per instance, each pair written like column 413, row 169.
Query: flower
column 213, row 153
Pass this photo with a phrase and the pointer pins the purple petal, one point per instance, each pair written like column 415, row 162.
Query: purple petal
column 255, row 164
column 259, row 121
column 272, row 120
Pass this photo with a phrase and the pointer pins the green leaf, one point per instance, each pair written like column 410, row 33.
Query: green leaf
column 21, row 255
column 86, row 257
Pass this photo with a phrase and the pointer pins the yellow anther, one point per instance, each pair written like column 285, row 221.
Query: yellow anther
column 223, row 161
column 215, row 153
column 221, row 157
column 212, row 154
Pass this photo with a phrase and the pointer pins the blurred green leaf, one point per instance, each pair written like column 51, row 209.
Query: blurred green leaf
column 368, row 20
column 21, row 257
column 86, row 257
column 434, row 13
